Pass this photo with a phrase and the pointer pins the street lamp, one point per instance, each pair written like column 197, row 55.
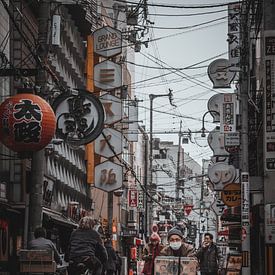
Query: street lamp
column 203, row 128
column 152, row 97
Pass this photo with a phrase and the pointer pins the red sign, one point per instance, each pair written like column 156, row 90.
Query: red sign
column 133, row 253
column 223, row 233
column 27, row 123
column 133, row 198
column 188, row 209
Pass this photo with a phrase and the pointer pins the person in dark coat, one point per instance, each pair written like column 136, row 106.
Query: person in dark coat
column 118, row 263
column 110, row 266
column 150, row 252
column 41, row 243
column 86, row 247
column 210, row 256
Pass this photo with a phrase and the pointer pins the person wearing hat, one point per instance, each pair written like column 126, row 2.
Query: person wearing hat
column 150, row 252
column 177, row 247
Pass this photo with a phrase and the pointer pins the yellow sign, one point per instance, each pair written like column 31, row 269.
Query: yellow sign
column 231, row 194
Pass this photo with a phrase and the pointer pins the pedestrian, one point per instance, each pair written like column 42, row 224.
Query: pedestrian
column 150, row 252
column 209, row 256
column 118, row 263
column 41, row 243
column 177, row 247
column 86, row 247
column 110, row 266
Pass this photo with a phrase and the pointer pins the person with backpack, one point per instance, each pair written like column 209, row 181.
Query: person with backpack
column 86, row 248
column 209, row 256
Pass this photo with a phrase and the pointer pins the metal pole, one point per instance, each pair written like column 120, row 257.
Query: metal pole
column 152, row 97
column 178, row 165
column 201, row 202
column 146, row 184
column 38, row 158
column 149, row 217
column 246, row 270
column 110, row 213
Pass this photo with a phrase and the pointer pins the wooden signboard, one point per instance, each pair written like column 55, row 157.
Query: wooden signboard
column 165, row 265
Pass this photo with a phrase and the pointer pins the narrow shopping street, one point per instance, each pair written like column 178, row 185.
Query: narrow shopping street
column 136, row 137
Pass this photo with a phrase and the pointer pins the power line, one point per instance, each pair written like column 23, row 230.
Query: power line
column 176, row 6
column 188, row 27
column 186, row 14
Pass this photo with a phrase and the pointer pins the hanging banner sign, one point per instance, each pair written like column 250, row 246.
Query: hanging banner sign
column 107, row 41
column 269, row 113
column 140, row 200
column 234, row 47
column 132, row 134
column 245, row 198
column 107, row 75
column 132, row 198
column 113, row 108
column 109, row 143
column 228, row 113
column 108, row 176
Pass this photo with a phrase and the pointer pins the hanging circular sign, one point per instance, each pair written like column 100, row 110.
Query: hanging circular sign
column 27, row 123
column 231, row 194
column 79, row 117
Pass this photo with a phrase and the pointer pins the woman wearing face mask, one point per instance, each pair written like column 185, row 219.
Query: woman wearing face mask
column 177, row 247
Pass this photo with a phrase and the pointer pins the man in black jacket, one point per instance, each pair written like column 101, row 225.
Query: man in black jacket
column 209, row 256
column 86, row 247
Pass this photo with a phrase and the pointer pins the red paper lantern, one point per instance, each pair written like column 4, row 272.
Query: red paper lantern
column 27, row 123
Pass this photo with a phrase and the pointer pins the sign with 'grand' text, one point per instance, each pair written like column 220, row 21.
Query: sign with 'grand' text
column 107, row 42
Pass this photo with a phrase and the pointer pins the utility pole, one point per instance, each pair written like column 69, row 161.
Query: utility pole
column 152, row 97
column 38, row 158
column 201, row 201
column 244, row 78
column 146, row 229
column 178, row 166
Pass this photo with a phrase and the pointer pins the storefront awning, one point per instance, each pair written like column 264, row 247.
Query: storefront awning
column 58, row 218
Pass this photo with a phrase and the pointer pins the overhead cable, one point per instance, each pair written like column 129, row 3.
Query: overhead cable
column 176, row 6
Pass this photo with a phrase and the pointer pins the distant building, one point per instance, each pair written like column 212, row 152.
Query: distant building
column 191, row 178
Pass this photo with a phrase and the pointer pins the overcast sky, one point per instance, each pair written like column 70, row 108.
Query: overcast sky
column 179, row 48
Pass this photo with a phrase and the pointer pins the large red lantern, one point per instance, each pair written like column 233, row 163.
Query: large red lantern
column 27, row 123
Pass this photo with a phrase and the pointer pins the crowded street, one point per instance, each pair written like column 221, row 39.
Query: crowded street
column 136, row 137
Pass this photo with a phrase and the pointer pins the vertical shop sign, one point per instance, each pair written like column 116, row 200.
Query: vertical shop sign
column 270, row 223
column 109, row 143
column 228, row 114
column 113, row 108
column 133, row 198
column 234, row 15
column 269, row 141
column 133, row 121
column 140, row 200
column 245, row 198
